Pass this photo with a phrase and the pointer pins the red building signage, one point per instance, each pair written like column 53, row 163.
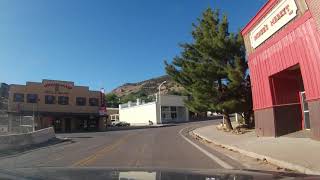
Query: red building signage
column 57, row 87
column 55, row 84
column 283, row 13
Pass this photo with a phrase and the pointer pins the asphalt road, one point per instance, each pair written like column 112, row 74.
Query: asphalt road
column 163, row 147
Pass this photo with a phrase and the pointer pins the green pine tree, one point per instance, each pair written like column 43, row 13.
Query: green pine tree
column 112, row 100
column 213, row 69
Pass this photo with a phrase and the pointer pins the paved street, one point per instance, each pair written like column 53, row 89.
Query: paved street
column 155, row 147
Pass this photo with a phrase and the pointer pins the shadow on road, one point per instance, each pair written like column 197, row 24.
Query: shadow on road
column 126, row 128
column 28, row 148
column 81, row 137
column 137, row 127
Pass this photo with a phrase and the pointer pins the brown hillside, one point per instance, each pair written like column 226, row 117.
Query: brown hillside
column 149, row 86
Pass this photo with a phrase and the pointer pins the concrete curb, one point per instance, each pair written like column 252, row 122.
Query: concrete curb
column 274, row 161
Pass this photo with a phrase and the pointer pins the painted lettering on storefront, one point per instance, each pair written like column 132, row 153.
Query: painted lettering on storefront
column 67, row 86
column 261, row 32
column 58, row 88
column 282, row 14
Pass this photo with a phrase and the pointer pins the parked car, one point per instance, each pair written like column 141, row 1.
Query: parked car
column 122, row 124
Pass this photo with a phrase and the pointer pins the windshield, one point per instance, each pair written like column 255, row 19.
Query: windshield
column 160, row 85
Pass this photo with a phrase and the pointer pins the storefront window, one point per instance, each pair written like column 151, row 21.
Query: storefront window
column 165, row 115
column 63, row 100
column 93, row 124
column 93, row 101
column 50, row 99
column 81, row 101
column 173, row 115
column 169, row 112
column 18, row 97
column 57, row 125
column 32, row 98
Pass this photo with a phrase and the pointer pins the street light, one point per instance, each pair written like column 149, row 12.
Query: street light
column 160, row 100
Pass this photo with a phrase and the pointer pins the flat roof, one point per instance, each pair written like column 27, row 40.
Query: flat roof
column 44, row 80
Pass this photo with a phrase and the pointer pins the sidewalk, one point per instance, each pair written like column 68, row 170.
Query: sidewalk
column 299, row 154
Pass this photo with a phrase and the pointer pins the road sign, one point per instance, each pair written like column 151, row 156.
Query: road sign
column 102, row 111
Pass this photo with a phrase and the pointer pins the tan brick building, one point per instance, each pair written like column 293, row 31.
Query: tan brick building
column 60, row 104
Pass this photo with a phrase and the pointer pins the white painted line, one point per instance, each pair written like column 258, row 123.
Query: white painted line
column 211, row 156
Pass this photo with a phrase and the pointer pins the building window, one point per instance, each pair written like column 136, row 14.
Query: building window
column 114, row 117
column 93, row 101
column 169, row 112
column 57, row 125
column 18, row 97
column 63, row 100
column 173, row 115
column 81, row 101
column 165, row 108
column 32, row 98
column 173, row 108
column 50, row 99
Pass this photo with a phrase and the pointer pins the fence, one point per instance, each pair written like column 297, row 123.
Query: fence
column 15, row 124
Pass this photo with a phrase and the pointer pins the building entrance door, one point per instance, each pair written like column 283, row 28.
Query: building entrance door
column 288, row 114
column 57, row 125
column 305, row 110
column 68, row 124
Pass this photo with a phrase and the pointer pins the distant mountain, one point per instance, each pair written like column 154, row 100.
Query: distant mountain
column 149, row 87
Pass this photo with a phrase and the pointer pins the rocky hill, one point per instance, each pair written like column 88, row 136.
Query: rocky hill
column 148, row 87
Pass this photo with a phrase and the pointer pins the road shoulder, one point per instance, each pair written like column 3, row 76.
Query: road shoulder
column 254, row 147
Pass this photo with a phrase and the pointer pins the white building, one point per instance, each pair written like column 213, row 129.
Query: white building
column 170, row 107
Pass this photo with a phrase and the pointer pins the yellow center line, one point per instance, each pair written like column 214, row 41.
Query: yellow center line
column 92, row 158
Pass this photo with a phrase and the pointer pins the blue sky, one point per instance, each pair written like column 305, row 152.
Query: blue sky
column 100, row 43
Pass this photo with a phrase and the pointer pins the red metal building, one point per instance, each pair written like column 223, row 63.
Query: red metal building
column 283, row 47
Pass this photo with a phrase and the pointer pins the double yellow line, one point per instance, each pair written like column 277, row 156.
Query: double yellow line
column 100, row 153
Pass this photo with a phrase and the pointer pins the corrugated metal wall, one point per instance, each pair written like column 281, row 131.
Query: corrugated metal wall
column 298, row 43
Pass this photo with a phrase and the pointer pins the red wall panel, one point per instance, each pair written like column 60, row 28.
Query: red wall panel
column 298, row 43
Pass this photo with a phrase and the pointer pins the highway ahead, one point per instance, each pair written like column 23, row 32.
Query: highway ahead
column 165, row 147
